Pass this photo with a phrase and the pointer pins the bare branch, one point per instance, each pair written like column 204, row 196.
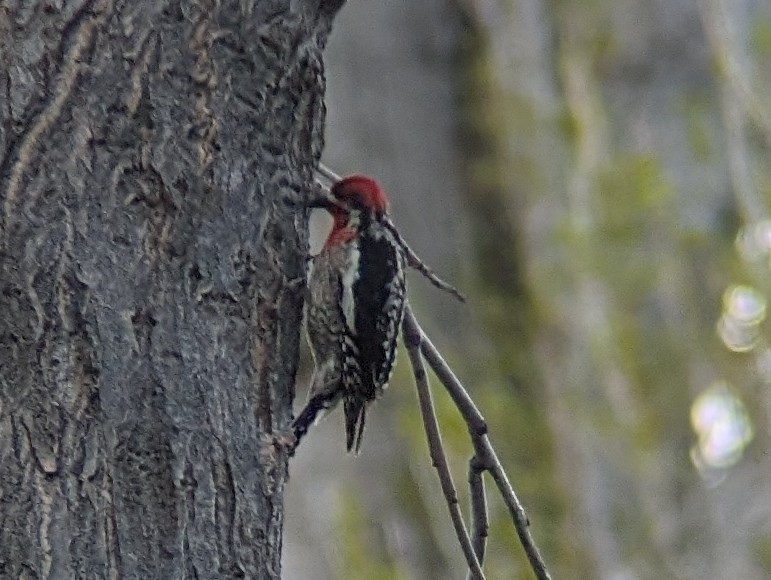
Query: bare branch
column 485, row 454
column 412, row 338
column 474, row 421
column 479, row 520
column 414, row 261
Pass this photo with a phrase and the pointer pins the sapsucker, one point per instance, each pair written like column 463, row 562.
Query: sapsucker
column 354, row 307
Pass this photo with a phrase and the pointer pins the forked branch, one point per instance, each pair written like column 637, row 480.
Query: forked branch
column 436, row 449
column 485, row 458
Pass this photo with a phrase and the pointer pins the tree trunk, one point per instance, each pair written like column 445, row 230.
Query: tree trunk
column 151, row 276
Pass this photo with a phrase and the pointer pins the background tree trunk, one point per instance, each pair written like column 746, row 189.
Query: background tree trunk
column 151, row 261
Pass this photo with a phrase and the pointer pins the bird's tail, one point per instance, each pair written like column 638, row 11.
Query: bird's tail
column 355, row 409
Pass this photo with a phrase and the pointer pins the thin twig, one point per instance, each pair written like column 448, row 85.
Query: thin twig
column 517, row 512
column 482, row 447
column 412, row 337
column 459, row 395
column 479, row 521
column 414, row 261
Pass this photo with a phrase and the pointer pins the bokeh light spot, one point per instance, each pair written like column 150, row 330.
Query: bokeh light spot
column 754, row 241
column 722, row 426
column 744, row 308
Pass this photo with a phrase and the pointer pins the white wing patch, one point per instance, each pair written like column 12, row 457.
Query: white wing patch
column 350, row 276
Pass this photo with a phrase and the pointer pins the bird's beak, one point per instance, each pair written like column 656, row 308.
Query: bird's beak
column 324, row 201
column 321, row 202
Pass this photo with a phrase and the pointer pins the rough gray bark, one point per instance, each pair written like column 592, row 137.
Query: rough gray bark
column 151, row 267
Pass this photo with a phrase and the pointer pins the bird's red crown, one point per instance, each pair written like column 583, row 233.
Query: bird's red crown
column 361, row 191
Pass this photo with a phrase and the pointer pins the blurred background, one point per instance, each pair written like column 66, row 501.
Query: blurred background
column 595, row 176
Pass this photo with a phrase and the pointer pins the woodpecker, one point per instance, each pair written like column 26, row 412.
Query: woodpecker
column 354, row 307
